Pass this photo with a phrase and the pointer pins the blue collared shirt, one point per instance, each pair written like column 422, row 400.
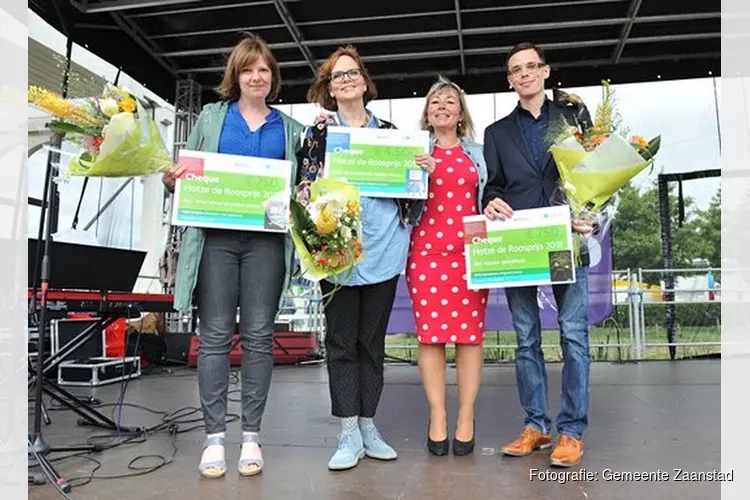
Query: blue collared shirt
column 385, row 242
column 534, row 130
column 267, row 141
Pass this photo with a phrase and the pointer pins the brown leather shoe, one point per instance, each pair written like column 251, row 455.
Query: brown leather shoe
column 568, row 452
column 527, row 443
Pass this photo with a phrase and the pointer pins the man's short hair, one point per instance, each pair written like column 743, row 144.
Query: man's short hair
column 525, row 46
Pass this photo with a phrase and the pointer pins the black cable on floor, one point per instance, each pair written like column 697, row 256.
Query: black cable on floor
column 139, row 470
column 171, row 422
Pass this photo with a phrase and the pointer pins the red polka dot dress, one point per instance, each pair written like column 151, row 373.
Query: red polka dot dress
column 445, row 310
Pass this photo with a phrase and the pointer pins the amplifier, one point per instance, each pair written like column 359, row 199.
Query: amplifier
column 65, row 330
column 98, row 371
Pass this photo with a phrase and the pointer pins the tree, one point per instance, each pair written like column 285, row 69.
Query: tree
column 709, row 230
column 636, row 232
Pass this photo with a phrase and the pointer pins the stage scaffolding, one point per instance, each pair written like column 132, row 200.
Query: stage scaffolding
column 187, row 108
column 666, row 240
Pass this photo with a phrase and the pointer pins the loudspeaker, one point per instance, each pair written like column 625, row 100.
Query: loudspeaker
column 160, row 348
column 65, row 330
column 178, row 347
column 149, row 347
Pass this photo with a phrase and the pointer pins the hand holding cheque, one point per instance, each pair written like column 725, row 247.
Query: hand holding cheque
column 523, row 248
column 426, row 161
column 497, row 209
column 170, row 176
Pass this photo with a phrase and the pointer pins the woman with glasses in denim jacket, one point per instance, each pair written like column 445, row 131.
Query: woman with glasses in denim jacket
column 445, row 310
column 357, row 315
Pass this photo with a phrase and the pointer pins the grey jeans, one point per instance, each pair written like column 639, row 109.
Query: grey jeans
column 245, row 269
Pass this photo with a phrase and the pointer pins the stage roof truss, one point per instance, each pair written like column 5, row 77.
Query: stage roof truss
column 404, row 45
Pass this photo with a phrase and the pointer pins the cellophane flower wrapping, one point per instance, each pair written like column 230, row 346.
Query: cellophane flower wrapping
column 117, row 136
column 595, row 161
column 325, row 224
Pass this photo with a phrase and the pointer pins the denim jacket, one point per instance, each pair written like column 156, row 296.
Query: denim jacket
column 476, row 153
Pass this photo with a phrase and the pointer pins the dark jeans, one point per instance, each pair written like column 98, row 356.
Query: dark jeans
column 245, row 268
column 356, row 322
column 531, row 374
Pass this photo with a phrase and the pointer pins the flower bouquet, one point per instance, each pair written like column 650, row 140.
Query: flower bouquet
column 594, row 159
column 116, row 135
column 325, row 224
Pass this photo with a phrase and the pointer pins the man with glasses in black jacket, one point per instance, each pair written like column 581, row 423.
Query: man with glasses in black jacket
column 522, row 175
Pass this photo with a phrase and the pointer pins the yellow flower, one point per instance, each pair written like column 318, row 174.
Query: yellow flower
column 353, row 207
column 128, row 105
column 326, row 224
column 56, row 105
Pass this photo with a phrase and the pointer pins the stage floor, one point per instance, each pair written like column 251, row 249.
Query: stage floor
column 643, row 417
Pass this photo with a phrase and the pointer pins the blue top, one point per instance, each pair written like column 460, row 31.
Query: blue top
column 385, row 242
column 267, row 141
column 534, row 130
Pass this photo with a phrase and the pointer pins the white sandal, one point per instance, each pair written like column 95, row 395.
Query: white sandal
column 253, row 465
column 215, row 468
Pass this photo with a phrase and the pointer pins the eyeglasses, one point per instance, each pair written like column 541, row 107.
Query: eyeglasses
column 517, row 70
column 338, row 76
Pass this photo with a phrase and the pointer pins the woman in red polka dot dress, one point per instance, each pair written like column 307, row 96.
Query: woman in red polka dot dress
column 445, row 310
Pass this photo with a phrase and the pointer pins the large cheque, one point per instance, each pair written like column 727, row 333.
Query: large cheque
column 535, row 247
column 379, row 162
column 232, row 192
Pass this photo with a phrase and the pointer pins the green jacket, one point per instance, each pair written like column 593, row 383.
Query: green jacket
column 205, row 137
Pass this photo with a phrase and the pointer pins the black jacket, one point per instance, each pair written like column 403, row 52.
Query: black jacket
column 512, row 174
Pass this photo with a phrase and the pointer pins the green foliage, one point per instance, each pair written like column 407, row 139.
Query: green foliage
column 302, row 220
column 654, row 145
column 709, row 230
column 636, row 232
column 61, row 127
column 687, row 314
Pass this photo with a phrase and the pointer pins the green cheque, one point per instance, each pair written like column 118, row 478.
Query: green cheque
column 535, row 247
column 379, row 162
column 232, row 192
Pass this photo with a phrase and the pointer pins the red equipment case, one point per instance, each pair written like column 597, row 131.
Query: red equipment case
column 288, row 348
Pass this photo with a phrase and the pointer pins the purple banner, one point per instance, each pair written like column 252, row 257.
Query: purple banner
column 498, row 315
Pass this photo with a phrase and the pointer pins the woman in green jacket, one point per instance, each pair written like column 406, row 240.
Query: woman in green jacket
column 226, row 268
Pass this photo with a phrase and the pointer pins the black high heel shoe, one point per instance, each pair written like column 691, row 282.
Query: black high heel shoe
column 461, row 448
column 437, row 448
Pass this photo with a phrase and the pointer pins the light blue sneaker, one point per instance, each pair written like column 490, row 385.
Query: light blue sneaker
column 375, row 446
column 350, row 451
